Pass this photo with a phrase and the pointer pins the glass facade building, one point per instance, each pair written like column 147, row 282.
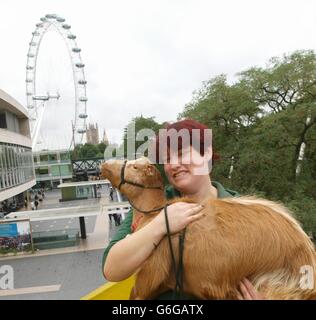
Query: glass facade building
column 17, row 173
column 52, row 167
column 16, row 165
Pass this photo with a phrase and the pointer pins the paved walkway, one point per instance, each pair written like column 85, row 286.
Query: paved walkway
column 63, row 273
column 52, row 197
column 57, row 276
column 97, row 221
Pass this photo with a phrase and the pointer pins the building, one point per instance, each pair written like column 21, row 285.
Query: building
column 93, row 134
column 52, row 167
column 16, row 162
column 105, row 139
column 82, row 189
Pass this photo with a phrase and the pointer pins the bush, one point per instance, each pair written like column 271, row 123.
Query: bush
column 304, row 209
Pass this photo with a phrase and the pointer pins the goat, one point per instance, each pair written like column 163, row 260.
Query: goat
column 241, row 237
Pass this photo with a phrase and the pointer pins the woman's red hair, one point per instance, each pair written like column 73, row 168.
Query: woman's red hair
column 189, row 125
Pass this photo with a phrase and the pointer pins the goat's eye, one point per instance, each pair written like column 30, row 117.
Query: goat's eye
column 135, row 167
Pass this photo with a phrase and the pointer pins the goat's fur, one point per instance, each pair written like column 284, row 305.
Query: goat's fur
column 242, row 237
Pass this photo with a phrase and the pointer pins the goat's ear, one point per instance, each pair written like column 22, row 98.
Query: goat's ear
column 149, row 170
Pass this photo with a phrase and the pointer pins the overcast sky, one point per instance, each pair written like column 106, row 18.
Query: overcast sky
column 147, row 57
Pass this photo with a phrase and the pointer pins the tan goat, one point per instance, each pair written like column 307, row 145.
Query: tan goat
column 237, row 238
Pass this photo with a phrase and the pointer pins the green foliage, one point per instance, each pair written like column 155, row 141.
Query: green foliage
column 88, row 151
column 304, row 209
column 132, row 131
column 259, row 124
column 4, row 251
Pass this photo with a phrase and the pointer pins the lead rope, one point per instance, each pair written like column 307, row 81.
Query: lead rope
column 180, row 269
column 123, row 180
column 177, row 272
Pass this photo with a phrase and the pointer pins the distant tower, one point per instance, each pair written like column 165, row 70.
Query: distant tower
column 93, row 134
column 105, row 139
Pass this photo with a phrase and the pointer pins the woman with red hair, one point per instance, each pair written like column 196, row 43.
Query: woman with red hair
column 183, row 157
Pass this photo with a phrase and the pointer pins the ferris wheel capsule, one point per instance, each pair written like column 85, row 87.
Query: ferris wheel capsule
column 36, row 33
column 81, row 131
column 79, row 65
column 29, row 93
column 60, row 19
column 82, row 82
column 41, row 98
column 71, row 37
column 31, row 55
column 83, row 115
column 30, row 106
column 83, row 99
column 33, row 44
column 66, row 26
column 76, row 50
column 29, row 68
column 43, row 19
column 29, row 80
column 51, row 16
column 39, row 25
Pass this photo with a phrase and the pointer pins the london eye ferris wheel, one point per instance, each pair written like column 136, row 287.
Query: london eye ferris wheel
column 55, row 86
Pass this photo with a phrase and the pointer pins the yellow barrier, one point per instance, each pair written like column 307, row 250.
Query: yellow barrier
column 112, row 291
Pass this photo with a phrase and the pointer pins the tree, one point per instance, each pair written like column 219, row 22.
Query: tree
column 261, row 122
column 140, row 123
column 230, row 112
column 88, row 151
column 288, row 85
column 133, row 128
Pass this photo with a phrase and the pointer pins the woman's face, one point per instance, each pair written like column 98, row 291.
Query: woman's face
column 186, row 170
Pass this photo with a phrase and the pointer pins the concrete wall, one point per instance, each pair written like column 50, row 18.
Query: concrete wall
column 11, row 192
column 23, row 138
column 10, row 105
column 7, row 136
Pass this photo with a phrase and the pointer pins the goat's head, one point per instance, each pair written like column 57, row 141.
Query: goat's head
column 133, row 176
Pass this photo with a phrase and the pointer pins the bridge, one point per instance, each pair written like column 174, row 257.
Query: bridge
column 82, row 168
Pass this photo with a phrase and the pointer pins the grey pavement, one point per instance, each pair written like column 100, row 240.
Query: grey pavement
column 78, row 274
column 63, row 224
column 52, row 197
column 51, row 201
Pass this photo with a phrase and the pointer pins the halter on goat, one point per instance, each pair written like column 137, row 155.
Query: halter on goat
column 177, row 271
column 123, row 180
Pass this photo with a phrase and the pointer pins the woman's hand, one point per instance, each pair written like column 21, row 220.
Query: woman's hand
column 180, row 214
column 248, row 292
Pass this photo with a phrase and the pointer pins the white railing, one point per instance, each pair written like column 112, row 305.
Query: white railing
column 121, row 208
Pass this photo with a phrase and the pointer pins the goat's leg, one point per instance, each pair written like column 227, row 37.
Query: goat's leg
column 146, row 285
column 133, row 295
column 151, row 277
